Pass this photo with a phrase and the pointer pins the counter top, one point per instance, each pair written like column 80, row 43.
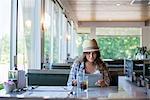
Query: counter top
column 125, row 90
column 52, row 71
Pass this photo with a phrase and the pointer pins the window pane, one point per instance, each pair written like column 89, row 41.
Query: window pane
column 56, row 36
column 118, row 47
column 80, row 38
column 115, row 43
column 5, row 10
column 47, row 34
column 26, row 20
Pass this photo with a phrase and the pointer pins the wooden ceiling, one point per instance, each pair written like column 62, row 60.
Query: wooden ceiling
column 107, row 10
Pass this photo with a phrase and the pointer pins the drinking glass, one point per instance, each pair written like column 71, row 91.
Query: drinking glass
column 82, row 83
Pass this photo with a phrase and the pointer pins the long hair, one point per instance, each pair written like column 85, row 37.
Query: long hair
column 98, row 61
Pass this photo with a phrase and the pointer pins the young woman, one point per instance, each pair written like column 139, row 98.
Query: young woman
column 91, row 62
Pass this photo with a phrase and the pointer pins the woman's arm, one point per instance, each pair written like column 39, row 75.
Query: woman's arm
column 105, row 81
column 106, row 78
column 72, row 75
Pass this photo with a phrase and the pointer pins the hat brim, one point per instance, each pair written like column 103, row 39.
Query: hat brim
column 90, row 50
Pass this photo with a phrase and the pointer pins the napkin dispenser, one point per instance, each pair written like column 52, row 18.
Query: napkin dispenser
column 18, row 76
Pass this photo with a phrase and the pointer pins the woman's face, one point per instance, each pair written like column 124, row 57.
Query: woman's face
column 91, row 56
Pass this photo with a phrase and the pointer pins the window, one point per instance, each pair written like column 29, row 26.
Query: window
column 48, row 32
column 29, row 34
column 57, row 37
column 79, row 41
column 56, row 34
column 5, row 10
column 115, row 43
column 24, row 35
column 64, row 39
column 118, row 47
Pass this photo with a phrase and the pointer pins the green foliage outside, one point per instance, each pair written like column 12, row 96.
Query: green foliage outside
column 113, row 47
column 79, row 41
column 55, row 49
column 1, row 86
column 118, row 47
column 4, row 49
column 47, row 45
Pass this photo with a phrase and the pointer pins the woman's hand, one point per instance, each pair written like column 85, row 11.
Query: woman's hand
column 101, row 83
column 74, row 82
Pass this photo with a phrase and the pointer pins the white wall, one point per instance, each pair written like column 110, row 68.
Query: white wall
column 146, row 36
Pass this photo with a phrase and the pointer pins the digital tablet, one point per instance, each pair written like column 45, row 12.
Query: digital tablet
column 93, row 78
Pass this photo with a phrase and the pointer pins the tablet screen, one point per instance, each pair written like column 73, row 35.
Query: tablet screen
column 93, row 78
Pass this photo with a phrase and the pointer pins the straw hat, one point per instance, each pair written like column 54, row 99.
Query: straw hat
column 90, row 45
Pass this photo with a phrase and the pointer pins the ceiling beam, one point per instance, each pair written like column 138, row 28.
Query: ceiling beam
column 111, row 24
